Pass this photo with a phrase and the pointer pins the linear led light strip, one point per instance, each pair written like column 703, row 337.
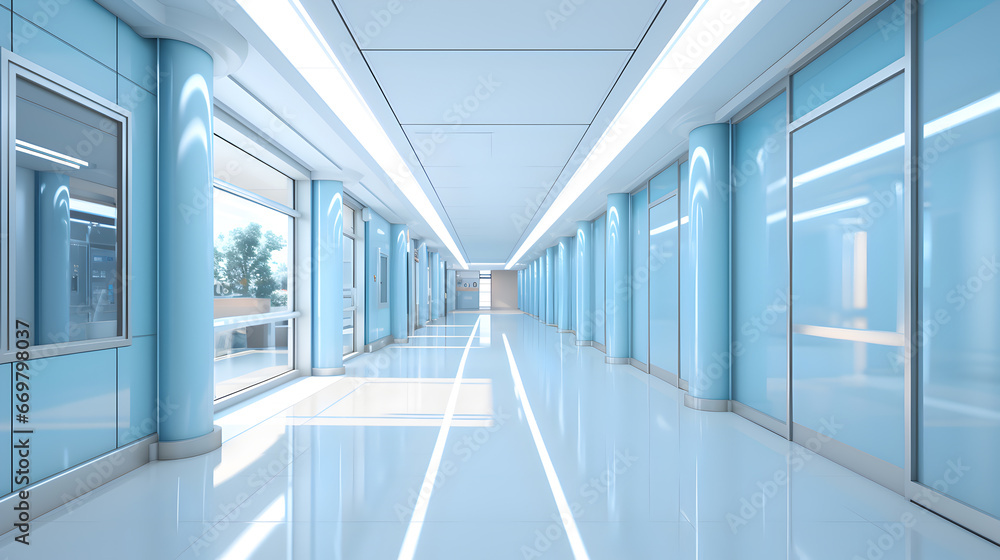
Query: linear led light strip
column 296, row 35
column 706, row 27
column 51, row 155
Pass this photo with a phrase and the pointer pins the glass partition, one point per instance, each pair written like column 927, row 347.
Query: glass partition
column 847, row 272
column 760, row 260
column 959, row 193
column 664, row 259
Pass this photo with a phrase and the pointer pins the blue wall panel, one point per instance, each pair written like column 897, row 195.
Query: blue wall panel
column 685, row 280
column 663, row 294
column 959, row 291
column 760, row 260
column 663, row 184
column 144, row 210
column 73, row 410
column 639, row 281
column 5, row 28
column 378, row 241
column 81, row 23
column 600, row 249
column 137, row 389
column 867, row 50
column 42, row 48
column 136, row 57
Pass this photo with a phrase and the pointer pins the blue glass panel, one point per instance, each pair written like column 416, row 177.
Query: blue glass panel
column 377, row 317
column 142, row 104
column 83, row 24
column 959, row 296
column 760, row 260
column 38, row 46
column 600, row 246
column 5, row 33
column 639, row 248
column 72, row 410
column 685, row 285
column 663, row 184
column 847, row 272
column 136, row 57
column 663, row 294
column 873, row 46
column 137, row 389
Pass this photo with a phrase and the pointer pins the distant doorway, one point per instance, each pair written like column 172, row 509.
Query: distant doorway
column 485, row 289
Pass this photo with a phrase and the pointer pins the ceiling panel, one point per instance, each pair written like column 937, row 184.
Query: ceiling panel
column 511, row 24
column 492, row 178
column 496, row 87
column 489, row 198
column 513, row 145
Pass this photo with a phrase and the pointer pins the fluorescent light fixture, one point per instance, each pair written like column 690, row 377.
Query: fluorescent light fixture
column 93, row 208
column 52, row 155
column 294, row 33
column 562, row 504
column 412, row 536
column 707, row 26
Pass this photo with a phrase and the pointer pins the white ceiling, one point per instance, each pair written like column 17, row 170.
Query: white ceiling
column 495, row 97
column 495, row 104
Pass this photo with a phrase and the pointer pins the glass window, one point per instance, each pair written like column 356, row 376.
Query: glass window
column 663, row 184
column 67, row 216
column 870, row 48
column 600, row 249
column 663, row 294
column 253, row 260
column 240, row 166
column 760, row 260
column 383, row 278
column 959, row 293
column 847, row 268
column 350, row 293
column 348, row 220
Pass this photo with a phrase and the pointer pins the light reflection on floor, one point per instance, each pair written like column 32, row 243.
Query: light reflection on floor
column 330, row 468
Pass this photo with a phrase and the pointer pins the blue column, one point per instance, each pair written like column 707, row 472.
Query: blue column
column 563, row 292
column 709, row 249
column 400, row 239
column 584, row 286
column 185, row 333
column 52, row 269
column 435, row 264
column 531, row 289
column 423, row 311
column 327, row 277
column 616, row 279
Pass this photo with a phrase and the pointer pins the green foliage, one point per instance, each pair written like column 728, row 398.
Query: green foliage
column 243, row 262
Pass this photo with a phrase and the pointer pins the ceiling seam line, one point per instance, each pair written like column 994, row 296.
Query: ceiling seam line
column 610, row 91
column 458, row 241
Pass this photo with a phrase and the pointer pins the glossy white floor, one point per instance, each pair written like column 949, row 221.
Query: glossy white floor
column 436, row 451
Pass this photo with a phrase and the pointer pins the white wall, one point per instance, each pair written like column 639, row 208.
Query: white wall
column 504, row 289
